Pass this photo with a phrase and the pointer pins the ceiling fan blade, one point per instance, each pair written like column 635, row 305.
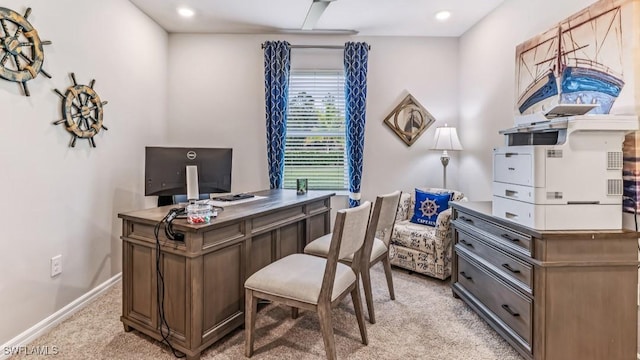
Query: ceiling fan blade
column 315, row 11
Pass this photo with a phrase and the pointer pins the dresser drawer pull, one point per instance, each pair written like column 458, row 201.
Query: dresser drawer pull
column 508, row 309
column 466, row 219
column 506, row 236
column 508, row 267
column 467, row 244
column 465, row 276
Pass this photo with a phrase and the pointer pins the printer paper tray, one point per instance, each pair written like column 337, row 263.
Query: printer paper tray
column 559, row 217
column 546, row 196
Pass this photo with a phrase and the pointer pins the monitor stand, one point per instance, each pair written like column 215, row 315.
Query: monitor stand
column 165, row 200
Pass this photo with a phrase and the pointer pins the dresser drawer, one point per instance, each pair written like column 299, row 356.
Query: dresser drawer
column 511, row 268
column 511, row 307
column 512, row 239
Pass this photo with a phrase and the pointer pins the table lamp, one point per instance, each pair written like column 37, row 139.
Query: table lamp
column 446, row 138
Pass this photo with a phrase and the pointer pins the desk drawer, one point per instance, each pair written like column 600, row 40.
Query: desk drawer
column 510, row 306
column 518, row 241
column 511, row 268
column 277, row 218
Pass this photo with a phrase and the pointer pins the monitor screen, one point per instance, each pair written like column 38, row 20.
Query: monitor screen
column 165, row 170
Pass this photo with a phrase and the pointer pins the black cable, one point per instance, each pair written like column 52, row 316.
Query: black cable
column 168, row 228
column 160, row 286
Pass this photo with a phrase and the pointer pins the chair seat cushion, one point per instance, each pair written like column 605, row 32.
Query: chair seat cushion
column 415, row 236
column 320, row 247
column 299, row 277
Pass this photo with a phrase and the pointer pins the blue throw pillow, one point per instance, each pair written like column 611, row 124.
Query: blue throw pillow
column 429, row 206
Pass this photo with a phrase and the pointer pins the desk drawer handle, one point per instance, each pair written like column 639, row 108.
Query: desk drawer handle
column 467, row 244
column 508, row 267
column 466, row 219
column 506, row 236
column 465, row 276
column 508, row 309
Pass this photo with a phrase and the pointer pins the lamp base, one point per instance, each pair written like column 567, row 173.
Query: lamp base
column 444, row 159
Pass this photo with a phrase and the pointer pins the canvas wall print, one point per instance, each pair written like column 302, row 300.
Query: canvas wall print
column 591, row 57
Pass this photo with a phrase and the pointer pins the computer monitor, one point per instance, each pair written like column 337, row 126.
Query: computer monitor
column 165, row 171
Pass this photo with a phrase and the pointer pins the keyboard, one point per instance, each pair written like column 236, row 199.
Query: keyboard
column 233, row 197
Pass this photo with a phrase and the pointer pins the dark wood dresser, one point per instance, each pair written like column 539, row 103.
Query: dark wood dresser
column 554, row 295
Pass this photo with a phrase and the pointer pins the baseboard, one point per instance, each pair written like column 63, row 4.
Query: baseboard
column 56, row 318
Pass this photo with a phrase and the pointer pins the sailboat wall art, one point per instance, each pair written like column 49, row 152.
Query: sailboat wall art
column 591, row 57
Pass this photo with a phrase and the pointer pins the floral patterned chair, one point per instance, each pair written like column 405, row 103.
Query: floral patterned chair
column 422, row 248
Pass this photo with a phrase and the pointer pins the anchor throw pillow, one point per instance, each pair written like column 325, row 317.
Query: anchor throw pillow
column 429, row 206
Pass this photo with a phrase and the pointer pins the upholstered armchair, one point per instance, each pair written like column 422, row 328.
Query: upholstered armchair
column 422, row 248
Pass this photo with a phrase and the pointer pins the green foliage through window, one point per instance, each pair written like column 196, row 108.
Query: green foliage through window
column 315, row 147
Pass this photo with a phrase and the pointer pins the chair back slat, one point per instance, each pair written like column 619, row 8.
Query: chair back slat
column 348, row 237
column 387, row 217
column 354, row 230
column 382, row 219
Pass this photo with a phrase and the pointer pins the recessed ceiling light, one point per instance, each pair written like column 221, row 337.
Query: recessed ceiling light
column 443, row 15
column 186, row 12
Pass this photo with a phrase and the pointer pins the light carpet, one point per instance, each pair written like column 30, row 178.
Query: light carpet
column 424, row 322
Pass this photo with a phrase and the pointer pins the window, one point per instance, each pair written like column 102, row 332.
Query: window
column 316, row 146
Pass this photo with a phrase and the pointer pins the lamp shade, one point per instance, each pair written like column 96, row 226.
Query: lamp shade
column 446, row 139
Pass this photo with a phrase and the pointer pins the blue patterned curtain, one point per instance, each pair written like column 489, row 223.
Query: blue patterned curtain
column 277, row 64
column 356, row 55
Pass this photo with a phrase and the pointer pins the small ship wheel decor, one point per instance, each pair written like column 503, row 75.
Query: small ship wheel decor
column 428, row 208
column 81, row 111
column 21, row 53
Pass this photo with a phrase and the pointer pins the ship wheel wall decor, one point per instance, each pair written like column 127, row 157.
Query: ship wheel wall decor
column 21, row 54
column 81, row 111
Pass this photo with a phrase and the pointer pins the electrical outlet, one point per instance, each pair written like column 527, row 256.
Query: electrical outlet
column 56, row 265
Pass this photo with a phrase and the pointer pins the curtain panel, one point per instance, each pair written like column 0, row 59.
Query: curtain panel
column 356, row 56
column 277, row 68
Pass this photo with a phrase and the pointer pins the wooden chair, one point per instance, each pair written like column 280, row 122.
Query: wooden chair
column 309, row 282
column 376, row 245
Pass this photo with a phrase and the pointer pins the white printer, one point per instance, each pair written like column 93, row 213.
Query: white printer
column 562, row 170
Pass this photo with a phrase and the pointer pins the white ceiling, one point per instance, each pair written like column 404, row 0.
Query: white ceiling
column 368, row 17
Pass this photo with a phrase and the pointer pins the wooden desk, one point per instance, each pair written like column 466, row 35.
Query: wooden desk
column 204, row 275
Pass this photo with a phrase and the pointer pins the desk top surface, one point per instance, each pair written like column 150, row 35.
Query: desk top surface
column 269, row 200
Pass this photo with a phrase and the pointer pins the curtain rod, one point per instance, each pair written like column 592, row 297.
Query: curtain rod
column 336, row 47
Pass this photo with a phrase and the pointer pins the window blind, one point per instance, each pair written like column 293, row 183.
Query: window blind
column 315, row 142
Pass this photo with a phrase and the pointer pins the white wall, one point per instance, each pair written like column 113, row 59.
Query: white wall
column 207, row 90
column 216, row 98
column 62, row 200
column 487, row 80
